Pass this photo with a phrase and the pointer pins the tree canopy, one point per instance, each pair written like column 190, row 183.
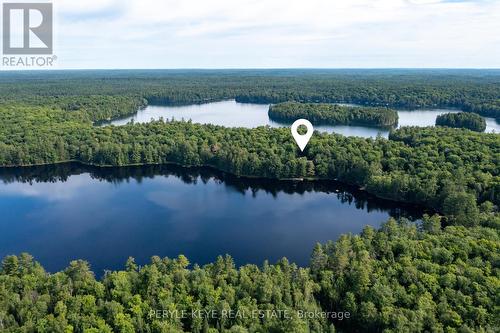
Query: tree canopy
column 400, row 278
column 470, row 121
column 441, row 275
column 333, row 114
column 416, row 165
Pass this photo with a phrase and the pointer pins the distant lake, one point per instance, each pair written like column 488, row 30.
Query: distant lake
column 65, row 212
column 233, row 114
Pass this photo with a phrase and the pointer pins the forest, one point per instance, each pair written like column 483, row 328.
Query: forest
column 453, row 171
column 471, row 121
column 399, row 278
column 469, row 90
column 433, row 167
column 333, row 114
column 441, row 275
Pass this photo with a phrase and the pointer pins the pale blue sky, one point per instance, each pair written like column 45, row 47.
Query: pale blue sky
column 277, row 33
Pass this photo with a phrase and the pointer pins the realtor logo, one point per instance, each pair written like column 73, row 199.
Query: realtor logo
column 27, row 28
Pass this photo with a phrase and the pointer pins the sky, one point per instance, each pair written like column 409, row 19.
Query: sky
column 277, row 33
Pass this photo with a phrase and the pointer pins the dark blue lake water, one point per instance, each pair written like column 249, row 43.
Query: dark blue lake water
column 67, row 212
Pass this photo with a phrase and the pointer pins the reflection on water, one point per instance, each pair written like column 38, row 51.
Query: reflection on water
column 233, row 114
column 104, row 215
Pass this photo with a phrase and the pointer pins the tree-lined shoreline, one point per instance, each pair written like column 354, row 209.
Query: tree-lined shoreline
column 441, row 275
column 397, row 278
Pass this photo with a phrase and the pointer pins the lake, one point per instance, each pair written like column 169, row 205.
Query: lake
column 233, row 114
column 103, row 215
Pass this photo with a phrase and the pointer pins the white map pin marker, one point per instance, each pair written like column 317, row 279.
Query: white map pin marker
column 302, row 140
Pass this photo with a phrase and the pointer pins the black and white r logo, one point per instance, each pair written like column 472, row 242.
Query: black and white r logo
column 27, row 28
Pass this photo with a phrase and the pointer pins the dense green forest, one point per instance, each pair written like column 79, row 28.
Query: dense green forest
column 397, row 279
column 426, row 166
column 441, row 275
column 333, row 114
column 453, row 171
column 470, row 121
column 470, row 90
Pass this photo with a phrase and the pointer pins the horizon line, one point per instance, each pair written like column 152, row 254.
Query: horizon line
column 244, row 68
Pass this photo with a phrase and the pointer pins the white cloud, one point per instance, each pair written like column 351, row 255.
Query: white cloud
column 277, row 33
column 88, row 6
column 52, row 192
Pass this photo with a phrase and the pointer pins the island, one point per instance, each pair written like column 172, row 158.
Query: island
column 471, row 121
column 333, row 114
column 438, row 275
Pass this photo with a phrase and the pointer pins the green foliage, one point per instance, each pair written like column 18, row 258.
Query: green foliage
column 470, row 90
column 416, row 165
column 395, row 279
column 333, row 114
column 461, row 208
column 164, row 296
column 470, row 121
column 398, row 279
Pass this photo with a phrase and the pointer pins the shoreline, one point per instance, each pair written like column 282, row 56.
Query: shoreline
column 214, row 168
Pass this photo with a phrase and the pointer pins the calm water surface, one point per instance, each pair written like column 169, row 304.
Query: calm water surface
column 233, row 114
column 67, row 212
